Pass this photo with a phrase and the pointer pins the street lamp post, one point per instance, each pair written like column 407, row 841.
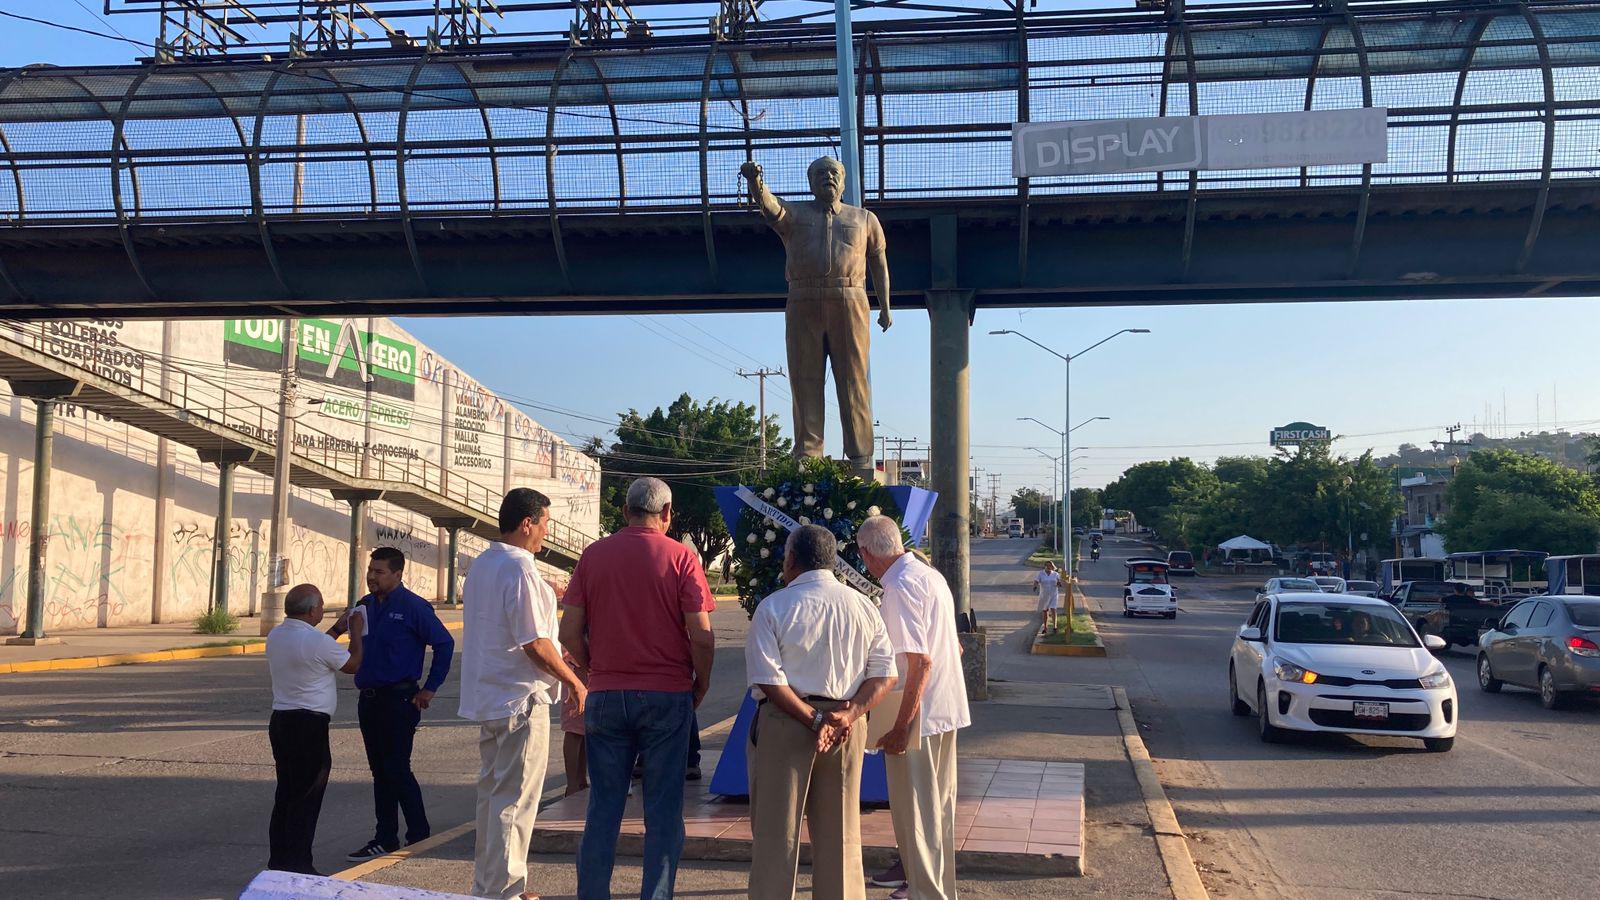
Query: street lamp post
column 1066, row 419
column 1055, row 474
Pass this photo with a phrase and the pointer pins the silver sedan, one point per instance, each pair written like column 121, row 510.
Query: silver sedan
column 1550, row 644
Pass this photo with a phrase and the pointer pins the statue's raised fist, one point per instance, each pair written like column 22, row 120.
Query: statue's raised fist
column 751, row 170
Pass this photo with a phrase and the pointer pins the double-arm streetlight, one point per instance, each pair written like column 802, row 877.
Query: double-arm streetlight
column 1055, row 475
column 1066, row 420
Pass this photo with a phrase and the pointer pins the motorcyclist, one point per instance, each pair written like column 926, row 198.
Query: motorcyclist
column 1094, row 551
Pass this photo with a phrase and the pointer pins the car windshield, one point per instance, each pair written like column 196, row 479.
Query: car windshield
column 1584, row 615
column 1179, row 557
column 1140, row 577
column 1327, row 623
column 1361, row 586
column 1330, row 582
column 1298, row 584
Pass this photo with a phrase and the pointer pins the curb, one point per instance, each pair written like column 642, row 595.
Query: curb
column 1183, row 879
column 132, row 659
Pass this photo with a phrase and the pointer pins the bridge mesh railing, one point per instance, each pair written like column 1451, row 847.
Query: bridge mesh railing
column 1476, row 93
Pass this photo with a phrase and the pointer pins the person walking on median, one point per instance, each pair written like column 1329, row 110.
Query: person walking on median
column 511, row 673
column 638, row 618
column 399, row 626
column 1047, row 585
column 302, row 662
column 919, row 613
column 819, row 657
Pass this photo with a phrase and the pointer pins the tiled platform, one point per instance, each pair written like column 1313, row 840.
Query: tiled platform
column 1012, row 815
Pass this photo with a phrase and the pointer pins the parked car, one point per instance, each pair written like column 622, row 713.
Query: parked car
column 1147, row 591
column 1320, row 564
column 1286, row 583
column 1550, row 644
column 1354, row 665
column 1180, row 562
column 1361, row 588
column 1330, row 584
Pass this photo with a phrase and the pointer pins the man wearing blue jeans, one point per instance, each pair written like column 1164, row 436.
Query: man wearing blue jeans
column 638, row 618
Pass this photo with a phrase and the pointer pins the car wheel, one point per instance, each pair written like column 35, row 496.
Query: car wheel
column 1439, row 745
column 1270, row 733
column 1239, row 707
column 1172, row 615
column 1486, row 679
column 1548, row 695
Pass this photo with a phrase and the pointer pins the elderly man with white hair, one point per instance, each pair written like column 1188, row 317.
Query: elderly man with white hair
column 638, row 619
column 920, row 749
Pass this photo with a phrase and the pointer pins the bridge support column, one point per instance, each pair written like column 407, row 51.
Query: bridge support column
column 226, row 461
column 452, row 529
column 356, row 586
column 45, row 397
column 950, row 313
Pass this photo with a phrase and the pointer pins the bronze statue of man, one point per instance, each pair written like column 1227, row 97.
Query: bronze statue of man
column 831, row 248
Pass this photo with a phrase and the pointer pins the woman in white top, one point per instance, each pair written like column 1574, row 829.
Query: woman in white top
column 1047, row 585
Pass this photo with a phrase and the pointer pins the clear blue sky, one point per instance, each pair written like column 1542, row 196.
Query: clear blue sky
column 1208, row 381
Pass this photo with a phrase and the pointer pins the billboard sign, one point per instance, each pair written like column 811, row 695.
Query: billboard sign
column 334, row 353
column 1321, row 137
column 1296, row 433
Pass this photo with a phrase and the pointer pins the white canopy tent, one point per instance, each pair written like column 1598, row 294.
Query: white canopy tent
column 1243, row 543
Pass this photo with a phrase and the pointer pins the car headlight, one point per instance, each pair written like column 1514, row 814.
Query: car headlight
column 1436, row 680
column 1288, row 671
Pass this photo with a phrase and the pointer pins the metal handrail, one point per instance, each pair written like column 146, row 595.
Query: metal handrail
column 199, row 396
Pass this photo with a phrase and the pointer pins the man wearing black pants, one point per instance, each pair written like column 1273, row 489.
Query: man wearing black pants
column 302, row 662
column 399, row 626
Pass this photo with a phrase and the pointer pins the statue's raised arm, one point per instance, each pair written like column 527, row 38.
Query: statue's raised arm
column 771, row 207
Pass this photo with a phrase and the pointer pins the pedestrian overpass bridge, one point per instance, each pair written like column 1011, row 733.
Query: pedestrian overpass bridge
column 600, row 176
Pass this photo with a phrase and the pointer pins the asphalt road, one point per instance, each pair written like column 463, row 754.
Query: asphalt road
column 1512, row 811
column 156, row 780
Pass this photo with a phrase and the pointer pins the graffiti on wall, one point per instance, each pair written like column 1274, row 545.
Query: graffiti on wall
column 87, row 572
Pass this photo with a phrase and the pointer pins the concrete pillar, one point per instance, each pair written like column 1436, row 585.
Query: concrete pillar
column 39, row 538
column 356, row 586
column 452, row 528
column 949, row 314
column 219, row 593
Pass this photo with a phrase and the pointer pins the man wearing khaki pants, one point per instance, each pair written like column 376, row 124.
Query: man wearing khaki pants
column 819, row 656
column 920, row 748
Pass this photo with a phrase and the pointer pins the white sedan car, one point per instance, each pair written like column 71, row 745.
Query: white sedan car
column 1330, row 584
column 1340, row 663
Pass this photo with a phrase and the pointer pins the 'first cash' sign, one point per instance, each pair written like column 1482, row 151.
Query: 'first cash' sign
column 1323, row 137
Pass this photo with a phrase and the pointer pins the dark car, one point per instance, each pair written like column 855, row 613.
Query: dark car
column 1180, row 562
column 1458, row 621
column 1550, row 644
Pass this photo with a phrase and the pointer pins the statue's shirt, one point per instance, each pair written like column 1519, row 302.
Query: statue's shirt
column 827, row 248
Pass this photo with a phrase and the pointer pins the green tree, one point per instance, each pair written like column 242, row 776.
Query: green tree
column 693, row 447
column 1029, row 504
column 1086, row 507
column 1506, row 499
column 1164, row 494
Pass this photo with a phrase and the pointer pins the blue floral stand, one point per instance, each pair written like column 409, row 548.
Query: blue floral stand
column 731, row 778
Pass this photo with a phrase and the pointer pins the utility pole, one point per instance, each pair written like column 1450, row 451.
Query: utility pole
column 761, row 375
column 900, row 456
column 1451, row 444
column 277, row 564
column 994, row 501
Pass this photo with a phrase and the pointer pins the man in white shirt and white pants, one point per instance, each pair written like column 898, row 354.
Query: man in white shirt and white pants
column 302, row 662
column 819, row 656
column 511, row 672
column 920, row 748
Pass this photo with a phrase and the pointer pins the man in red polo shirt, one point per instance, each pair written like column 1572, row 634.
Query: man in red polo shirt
column 638, row 619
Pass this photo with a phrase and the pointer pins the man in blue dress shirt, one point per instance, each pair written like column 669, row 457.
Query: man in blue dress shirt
column 399, row 625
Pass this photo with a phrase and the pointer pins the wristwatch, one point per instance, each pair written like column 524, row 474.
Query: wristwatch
column 816, row 719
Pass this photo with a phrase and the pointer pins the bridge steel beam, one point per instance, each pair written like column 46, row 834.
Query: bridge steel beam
column 550, row 169
column 705, row 154
column 402, row 193
column 258, row 202
column 1359, row 41
column 452, row 529
column 16, row 180
column 1543, row 202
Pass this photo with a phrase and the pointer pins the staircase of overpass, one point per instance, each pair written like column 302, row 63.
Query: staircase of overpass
column 195, row 410
column 595, row 172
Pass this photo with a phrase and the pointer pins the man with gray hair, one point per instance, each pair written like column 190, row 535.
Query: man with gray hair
column 638, row 620
column 819, row 658
column 920, row 748
column 302, row 661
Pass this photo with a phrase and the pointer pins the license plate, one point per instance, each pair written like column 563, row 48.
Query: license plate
column 1369, row 710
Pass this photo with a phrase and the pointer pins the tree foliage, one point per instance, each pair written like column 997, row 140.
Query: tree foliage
column 1503, row 499
column 1086, row 507
column 1029, row 505
column 693, row 447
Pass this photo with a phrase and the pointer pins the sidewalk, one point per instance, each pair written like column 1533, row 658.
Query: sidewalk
column 91, row 648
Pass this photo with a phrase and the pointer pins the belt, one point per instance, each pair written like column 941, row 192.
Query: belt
column 826, row 282
column 396, row 688
column 303, row 712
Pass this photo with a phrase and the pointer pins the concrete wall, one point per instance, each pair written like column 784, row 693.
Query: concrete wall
column 133, row 518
